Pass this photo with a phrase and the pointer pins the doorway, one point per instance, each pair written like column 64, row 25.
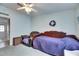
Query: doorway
column 4, row 32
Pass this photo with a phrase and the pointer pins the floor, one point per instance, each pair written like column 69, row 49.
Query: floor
column 21, row 50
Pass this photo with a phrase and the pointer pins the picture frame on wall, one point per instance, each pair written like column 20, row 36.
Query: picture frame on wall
column 52, row 23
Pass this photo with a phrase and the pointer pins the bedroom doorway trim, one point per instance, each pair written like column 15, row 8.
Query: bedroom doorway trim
column 5, row 26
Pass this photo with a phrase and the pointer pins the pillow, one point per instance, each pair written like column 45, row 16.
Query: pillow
column 73, row 36
column 54, row 34
column 25, row 36
column 34, row 33
column 25, row 40
column 41, row 34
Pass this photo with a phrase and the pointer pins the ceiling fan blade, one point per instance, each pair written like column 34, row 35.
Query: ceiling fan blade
column 20, row 4
column 24, row 4
column 31, row 5
column 20, row 8
column 33, row 10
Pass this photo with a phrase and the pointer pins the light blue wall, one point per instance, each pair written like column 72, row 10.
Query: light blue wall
column 19, row 23
column 77, row 20
column 65, row 22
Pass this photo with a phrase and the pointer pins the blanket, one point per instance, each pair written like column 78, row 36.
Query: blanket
column 55, row 46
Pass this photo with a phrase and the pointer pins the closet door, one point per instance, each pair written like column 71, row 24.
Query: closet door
column 4, row 31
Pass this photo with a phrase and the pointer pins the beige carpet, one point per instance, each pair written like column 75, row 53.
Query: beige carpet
column 21, row 50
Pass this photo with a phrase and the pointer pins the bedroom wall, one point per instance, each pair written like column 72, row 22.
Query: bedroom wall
column 65, row 22
column 20, row 23
column 77, row 19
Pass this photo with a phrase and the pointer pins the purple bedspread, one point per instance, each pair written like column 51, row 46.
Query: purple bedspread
column 55, row 46
column 26, row 40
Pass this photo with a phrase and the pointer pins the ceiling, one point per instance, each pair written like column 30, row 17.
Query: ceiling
column 44, row 8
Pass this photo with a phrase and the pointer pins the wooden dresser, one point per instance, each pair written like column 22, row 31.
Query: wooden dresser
column 17, row 41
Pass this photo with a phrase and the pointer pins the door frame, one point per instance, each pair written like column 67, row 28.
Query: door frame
column 8, row 28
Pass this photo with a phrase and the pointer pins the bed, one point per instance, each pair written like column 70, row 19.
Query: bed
column 55, row 46
column 55, row 43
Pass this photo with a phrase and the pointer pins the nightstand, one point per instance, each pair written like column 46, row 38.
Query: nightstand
column 17, row 41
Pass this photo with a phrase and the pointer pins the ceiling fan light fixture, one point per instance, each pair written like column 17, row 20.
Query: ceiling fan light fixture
column 28, row 7
column 28, row 10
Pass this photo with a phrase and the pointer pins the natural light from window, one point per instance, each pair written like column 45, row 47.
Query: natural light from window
column 1, row 28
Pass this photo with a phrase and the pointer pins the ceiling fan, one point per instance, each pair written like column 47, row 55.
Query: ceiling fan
column 28, row 7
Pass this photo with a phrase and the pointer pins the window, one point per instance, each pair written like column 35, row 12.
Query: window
column 1, row 28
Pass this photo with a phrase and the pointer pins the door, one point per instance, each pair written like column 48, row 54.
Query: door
column 4, row 31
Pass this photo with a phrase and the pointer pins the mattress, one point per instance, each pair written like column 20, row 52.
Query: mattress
column 20, row 50
column 71, row 53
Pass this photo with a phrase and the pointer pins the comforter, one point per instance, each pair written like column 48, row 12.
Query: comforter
column 55, row 46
